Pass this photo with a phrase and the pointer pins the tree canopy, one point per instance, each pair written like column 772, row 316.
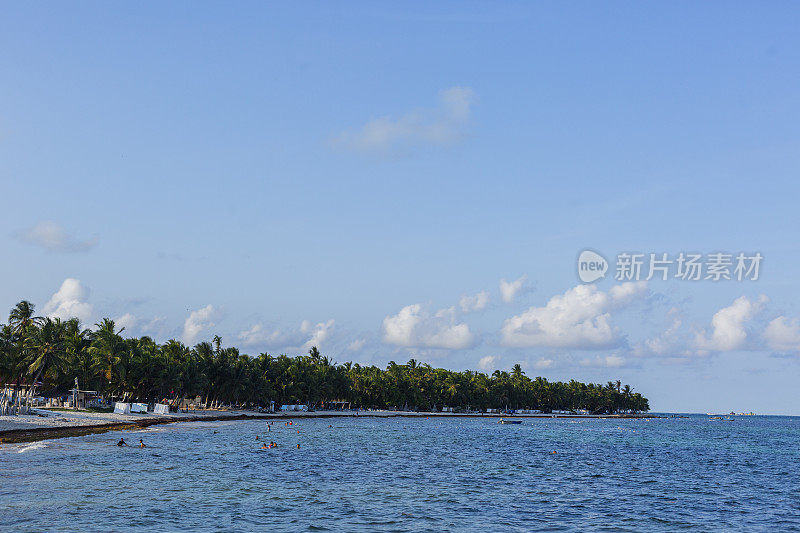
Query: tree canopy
column 52, row 353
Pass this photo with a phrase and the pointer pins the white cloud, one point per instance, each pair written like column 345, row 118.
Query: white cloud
column 415, row 327
column 301, row 338
column 510, row 289
column 488, row 363
column 728, row 331
column 474, row 303
column 357, row 345
column 580, row 318
column 608, row 361
column 443, row 126
column 127, row 321
column 155, row 327
column 670, row 342
column 318, row 333
column 783, row 334
column 70, row 302
column 199, row 321
column 54, row 238
column 544, row 363
column 259, row 334
column 135, row 326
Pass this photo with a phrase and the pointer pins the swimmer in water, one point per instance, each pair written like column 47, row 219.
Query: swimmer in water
column 264, row 446
column 122, row 442
column 298, row 446
column 142, row 444
column 256, row 437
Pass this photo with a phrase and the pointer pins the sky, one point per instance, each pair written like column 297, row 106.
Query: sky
column 392, row 181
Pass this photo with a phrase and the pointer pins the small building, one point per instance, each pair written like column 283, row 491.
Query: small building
column 83, row 399
column 336, row 405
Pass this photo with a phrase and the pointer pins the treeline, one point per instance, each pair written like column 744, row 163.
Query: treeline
column 52, row 353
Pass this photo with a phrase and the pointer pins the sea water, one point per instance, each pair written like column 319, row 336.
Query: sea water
column 404, row 474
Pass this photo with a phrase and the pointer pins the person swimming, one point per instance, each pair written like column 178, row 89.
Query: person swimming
column 256, row 437
column 142, row 444
column 122, row 442
column 264, row 446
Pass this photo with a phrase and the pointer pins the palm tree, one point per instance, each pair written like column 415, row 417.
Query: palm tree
column 46, row 350
column 21, row 317
column 22, row 322
column 107, row 347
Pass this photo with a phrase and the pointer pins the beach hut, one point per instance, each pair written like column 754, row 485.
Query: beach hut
column 161, row 409
column 138, row 408
column 81, row 399
column 121, row 408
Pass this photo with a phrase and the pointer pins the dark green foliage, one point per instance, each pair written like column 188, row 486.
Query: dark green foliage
column 57, row 352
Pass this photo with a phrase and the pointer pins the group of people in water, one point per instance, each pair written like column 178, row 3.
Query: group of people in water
column 272, row 444
column 123, row 443
column 264, row 446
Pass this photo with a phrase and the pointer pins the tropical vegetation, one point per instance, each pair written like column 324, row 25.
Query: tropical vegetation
column 51, row 353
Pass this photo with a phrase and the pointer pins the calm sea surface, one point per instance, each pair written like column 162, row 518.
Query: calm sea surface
column 435, row 474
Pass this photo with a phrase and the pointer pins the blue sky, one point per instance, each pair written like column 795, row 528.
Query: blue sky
column 344, row 174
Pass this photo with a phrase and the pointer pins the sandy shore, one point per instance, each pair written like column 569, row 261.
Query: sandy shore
column 46, row 418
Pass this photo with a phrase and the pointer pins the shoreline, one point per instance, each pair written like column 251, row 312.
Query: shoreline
column 34, row 434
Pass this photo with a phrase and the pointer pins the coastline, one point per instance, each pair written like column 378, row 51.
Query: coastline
column 58, row 429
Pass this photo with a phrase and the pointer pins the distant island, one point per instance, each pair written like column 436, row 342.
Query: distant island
column 47, row 355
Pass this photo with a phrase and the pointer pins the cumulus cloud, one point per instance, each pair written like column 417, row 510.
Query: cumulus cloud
column 134, row 325
column 728, row 326
column 70, row 302
column 413, row 326
column 199, row 321
column 544, row 363
column 127, row 321
column 510, row 289
column 608, row 361
column 357, row 345
column 444, row 125
column 488, row 363
column 476, row 302
column 155, row 327
column 302, row 338
column 54, row 238
column 259, row 334
column 318, row 333
column 783, row 334
column 580, row 318
column 670, row 342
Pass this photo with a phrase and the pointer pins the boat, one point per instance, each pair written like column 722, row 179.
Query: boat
column 502, row 421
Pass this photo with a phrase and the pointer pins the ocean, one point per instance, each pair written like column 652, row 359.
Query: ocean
column 405, row 474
